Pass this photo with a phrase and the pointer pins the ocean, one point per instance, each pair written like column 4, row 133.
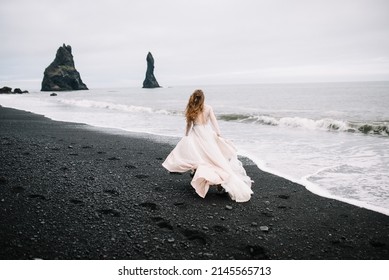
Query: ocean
column 333, row 138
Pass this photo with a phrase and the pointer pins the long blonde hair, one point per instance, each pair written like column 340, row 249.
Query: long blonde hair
column 195, row 105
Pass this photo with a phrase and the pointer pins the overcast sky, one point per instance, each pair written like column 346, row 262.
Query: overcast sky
column 196, row 42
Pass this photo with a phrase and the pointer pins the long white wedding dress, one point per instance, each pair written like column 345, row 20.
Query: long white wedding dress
column 212, row 157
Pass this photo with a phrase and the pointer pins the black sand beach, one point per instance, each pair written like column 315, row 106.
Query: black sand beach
column 69, row 192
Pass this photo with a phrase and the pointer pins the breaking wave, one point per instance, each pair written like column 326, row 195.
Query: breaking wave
column 375, row 128
column 114, row 106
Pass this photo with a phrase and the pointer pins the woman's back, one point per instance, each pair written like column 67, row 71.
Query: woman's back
column 205, row 116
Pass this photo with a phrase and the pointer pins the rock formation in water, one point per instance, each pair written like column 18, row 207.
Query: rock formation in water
column 61, row 75
column 5, row 90
column 150, row 80
column 8, row 90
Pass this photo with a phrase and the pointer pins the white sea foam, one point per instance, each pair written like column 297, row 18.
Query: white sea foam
column 84, row 103
column 327, row 124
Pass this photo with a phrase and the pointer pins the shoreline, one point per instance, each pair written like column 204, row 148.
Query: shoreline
column 172, row 140
column 328, row 186
column 71, row 192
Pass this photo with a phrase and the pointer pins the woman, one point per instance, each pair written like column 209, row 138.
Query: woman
column 212, row 159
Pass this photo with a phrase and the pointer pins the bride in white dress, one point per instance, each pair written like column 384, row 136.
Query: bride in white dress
column 203, row 151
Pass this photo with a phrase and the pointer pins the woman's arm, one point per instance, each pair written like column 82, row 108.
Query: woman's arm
column 214, row 121
column 188, row 127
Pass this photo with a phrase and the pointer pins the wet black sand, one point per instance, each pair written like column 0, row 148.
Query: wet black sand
column 69, row 192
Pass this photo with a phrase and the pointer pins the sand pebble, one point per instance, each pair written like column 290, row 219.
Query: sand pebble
column 208, row 255
column 264, row 228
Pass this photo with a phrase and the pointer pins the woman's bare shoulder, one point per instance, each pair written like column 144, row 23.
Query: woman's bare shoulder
column 207, row 107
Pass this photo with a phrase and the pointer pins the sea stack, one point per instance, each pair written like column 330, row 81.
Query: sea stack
column 61, row 75
column 150, row 80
